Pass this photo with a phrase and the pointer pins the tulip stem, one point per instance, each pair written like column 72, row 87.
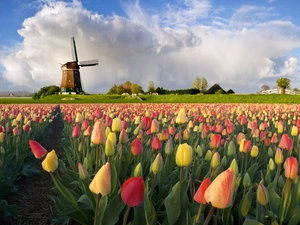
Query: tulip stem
column 97, row 157
column 97, row 209
column 180, row 129
column 153, row 185
column 199, row 213
column 126, row 215
column 181, row 173
column 211, row 212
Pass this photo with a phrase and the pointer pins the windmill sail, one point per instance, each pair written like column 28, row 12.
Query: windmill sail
column 93, row 62
column 74, row 50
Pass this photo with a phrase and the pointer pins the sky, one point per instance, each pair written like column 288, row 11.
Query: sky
column 240, row 45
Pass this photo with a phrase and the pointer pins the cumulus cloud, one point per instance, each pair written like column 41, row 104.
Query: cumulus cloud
column 171, row 47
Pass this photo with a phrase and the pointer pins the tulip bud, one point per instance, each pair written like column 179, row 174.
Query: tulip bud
column 76, row 131
column 2, row 151
column 279, row 157
column 157, row 164
column 184, row 155
column 169, row 147
column 50, row 163
column 270, row 152
column 231, row 150
column 199, row 195
column 132, row 192
column 101, row 183
column 138, row 170
column 280, row 182
column 271, row 164
column 215, row 161
column 208, row 155
column 83, row 173
column 186, row 135
column 199, row 150
column 146, row 123
column 262, row 194
column 16, row 131
column 234, row 167
column 254, row 151
column 123, row 137
column 224, row 161
column 279, row 128
column 246, row 180
column 284, row 141
column 136, row 131
column 291, row 167
column 116, row 125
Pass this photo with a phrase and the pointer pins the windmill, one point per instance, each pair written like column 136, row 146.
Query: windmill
column 70, row 80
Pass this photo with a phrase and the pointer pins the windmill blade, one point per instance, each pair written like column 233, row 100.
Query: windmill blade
column 93, row 62
column 74, row 50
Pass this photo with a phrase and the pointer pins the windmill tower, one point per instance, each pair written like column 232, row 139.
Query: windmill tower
column 70, row 80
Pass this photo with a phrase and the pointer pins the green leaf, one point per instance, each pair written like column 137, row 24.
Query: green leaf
column 139, row 216
column 295, row 219
column 246, row 203
column 150, row 212
column 85, row 202
column 172, row 204
column 274, row 199
column 252, row 222
column 114, row 178
column 113, row 210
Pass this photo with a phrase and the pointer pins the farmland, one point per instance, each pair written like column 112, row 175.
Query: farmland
column 164, row 163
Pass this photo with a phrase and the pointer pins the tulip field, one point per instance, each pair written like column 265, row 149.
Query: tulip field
column 158, row 163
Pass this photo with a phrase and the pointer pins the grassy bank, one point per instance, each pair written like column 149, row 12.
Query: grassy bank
column 251, row 98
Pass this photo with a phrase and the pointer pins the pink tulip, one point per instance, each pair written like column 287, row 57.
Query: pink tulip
column 199, row 196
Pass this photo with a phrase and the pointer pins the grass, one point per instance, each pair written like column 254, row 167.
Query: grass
column 251, row 98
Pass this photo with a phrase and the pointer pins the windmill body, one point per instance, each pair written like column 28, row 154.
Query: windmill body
column 71, row 80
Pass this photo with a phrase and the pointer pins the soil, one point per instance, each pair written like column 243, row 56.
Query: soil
column 35, row 205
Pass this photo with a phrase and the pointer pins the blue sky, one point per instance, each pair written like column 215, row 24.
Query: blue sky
column 239, row 44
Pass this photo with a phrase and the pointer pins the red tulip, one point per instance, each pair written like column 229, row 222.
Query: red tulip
column 274, row 138
column 199, row 196
column 146, row 123
column 155, row 143
column 291, row 167
column 37, row 150
column 220, row 192
column 215, row 141
column 137, row 147
column 76, row 131
column 132, row 191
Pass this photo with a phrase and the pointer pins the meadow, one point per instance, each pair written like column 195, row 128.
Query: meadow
column 166, row 161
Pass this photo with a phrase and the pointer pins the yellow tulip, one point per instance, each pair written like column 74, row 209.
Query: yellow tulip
column 116, row 125
column 184, row 155
column 157, row 164
column 101, row 183
column 50, row 163
column 181, row 117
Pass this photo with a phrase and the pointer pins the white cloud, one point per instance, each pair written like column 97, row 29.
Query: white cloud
column 144, row 47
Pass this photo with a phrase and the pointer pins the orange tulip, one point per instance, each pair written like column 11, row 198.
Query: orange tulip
column 291, row 167
column 284, row 141
column 220, row 192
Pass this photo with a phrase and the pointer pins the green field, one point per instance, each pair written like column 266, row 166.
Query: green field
column 251, row 98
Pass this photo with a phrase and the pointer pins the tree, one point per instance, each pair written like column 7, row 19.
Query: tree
column 113, row 90
column 120, row 89
column 151, row 87
column 283, row 83
column 135, row 89
column 197, row 84
column 203, row 87
column 265, row 87
column 200, row 84
column 45, row 91
column 127, row 87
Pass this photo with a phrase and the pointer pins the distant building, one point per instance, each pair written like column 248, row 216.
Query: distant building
column 216, row 88
column 278, row 91
column 11, row 95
